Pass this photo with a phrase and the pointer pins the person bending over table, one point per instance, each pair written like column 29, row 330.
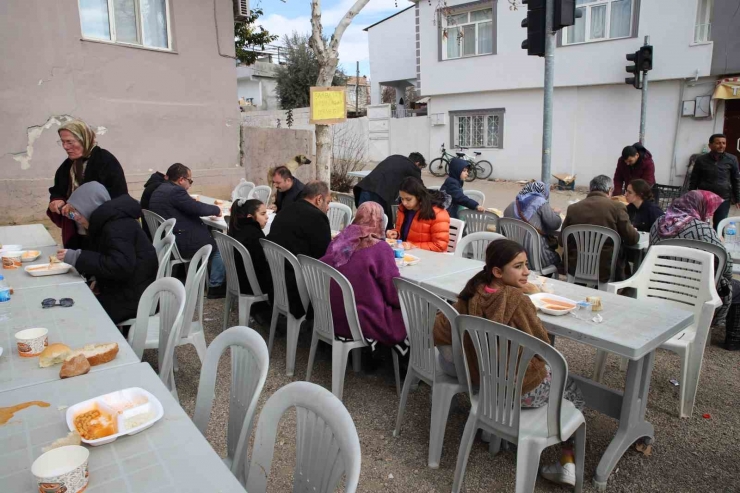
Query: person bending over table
column 636, row 162
column 453, row 186
column 422, row 219
column 119, row 255
column 641, row 206
column 498, row 293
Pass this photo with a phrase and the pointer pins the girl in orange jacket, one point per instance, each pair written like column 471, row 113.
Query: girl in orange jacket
column 422, row 218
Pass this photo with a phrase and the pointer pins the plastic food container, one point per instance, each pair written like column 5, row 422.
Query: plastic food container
column 133, row 411
column 11, row 260
column 30, row 255
column 541, row 301
column 40, row 270
column 409, row 259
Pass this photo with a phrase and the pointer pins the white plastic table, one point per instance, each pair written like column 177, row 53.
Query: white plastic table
column 631, row 328
column 360, row 174
column 20, row 279
column 28, row 235
column 435, row 264
column 172, row 455
column 84, row 323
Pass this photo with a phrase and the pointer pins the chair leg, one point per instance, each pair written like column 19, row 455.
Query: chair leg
column 494, row 444
column 600, row 365
column 227, row 309
column 357, row 360
column 466, row 443
column 527, row 466
column 339, row 356
column 294, row 326
column 312, row 355
column 245, row 307
column 397, row 371
column 199, row 343
column 687, row 393
column 175, row 366
column 273, row 324
column 441, row 400
column 580, row 456
column 410, row 379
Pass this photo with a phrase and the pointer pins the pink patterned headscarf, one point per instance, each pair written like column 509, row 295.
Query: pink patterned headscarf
column 365, row 231
column 696, row 204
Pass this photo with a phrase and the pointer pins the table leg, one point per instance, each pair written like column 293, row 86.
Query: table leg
column 632, row 424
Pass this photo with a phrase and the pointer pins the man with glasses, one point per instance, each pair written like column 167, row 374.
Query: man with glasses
column 171, row 200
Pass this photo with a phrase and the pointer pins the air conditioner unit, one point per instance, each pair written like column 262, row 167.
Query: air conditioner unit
column 241, row 10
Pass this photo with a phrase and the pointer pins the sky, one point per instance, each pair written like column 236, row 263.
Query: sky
column 295, row 15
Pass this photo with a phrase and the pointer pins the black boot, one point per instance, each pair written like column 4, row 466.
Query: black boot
column 217, row 292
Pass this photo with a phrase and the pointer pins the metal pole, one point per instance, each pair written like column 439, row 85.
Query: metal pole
column 549, row 79
column 643, row 107
column 357, row 91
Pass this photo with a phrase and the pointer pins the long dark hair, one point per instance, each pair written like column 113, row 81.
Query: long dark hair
column 240, row 213
column 414, row 186
column 642, row 189
column 498, row 254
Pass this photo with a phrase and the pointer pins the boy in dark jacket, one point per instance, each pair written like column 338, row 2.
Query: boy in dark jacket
column 120, row 256
column 453, row 186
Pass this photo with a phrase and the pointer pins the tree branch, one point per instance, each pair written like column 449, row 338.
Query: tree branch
column 316, row 41
column 344, row 23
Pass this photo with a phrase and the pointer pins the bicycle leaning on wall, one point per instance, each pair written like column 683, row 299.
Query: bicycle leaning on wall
column 478, row 169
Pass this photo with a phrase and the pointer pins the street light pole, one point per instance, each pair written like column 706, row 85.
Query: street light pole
column 548, row 88
column 643, row 106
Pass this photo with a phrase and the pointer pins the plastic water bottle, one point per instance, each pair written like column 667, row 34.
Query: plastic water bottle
column 731, row 234
column 398, row 252
column 4, row 290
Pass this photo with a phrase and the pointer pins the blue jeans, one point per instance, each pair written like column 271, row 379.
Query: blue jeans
column 218, row 271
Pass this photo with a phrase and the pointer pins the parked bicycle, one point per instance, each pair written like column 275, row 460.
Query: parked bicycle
column 478, row 169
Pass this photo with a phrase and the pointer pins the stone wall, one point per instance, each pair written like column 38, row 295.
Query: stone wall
column 265, row 148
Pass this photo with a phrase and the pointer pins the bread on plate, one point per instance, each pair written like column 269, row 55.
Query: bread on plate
column 96, row 354
column 54, row 354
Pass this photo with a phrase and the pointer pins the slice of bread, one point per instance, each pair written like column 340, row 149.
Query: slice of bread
column 96, row 354
column 54, row 354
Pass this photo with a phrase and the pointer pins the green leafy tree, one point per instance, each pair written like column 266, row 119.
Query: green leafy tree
column 247, row 36
column 299, row 73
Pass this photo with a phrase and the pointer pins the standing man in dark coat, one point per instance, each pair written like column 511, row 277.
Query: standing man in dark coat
column 303, row 228
column 636, row 163
column 453, row 186
column 119, row 255
column 384, row 182
column 717, row 171
column 288, row 187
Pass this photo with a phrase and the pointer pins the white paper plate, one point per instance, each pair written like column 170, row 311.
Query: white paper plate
column 538, row 300
column 414, row 259
column 41, row 270
column 30, row 259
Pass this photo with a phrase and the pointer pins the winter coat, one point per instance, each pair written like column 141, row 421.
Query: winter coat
column 171, row 200
column 547, row 221
column 718, row 174
column 508, row 306
column 370, row 271
column 249, row 235
column 385, row 180
column 121, row 258
column 643, row 169
column 427, row 234
column 597, row 209
column 150, row 186
column 103, row 167
column 644, row 217
column 303, row 229
column 453, row 186
column 284, row 199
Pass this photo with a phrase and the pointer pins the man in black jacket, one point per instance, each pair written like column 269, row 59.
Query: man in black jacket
column 303, row 228
column 150, row 186
column 288, row 187
column 171, row 200
column 717, row 171
column 383, row 183
column 119, row 255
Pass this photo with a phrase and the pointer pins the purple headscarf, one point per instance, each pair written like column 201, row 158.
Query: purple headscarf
column 365, row 231
column 696, row 204
column 532, row 196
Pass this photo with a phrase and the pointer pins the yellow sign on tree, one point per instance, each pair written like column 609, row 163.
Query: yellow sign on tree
column 328, row 105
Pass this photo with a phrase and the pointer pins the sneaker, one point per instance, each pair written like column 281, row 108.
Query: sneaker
column 216, row 292
column 561, row 474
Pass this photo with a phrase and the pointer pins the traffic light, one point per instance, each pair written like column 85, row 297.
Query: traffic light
column 565, row 14
column 634, row 70
column 645, row 58
column 536, row 28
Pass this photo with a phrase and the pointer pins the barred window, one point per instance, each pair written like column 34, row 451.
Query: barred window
column 477, row 128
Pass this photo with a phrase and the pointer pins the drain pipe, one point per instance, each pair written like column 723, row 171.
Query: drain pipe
column 674, row 166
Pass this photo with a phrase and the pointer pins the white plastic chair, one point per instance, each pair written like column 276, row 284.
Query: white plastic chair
column 318, row 277
column 476, row 222
column 163, row 230
column 277, row 256
column 226, row 245
column 340, row 216
column 476, row 244
column 720, row 254
column 724, row 223
column 496, row 408
column 590, row 241
column 419, row 308
column 262, row 193
column 170, row 294
column 242, row 190
column 346, row 199
column 456, row 230
column 249, row 365
column 684, row 278
column 476, row 195
column 385, row 222
column 434, row 187
column 394, row 211
column 528, row 237
column 327, row 445
column 154, row 220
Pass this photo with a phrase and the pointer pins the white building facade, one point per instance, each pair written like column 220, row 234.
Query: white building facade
column 486, row 93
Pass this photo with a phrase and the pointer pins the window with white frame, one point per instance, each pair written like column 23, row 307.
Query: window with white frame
column 478, row 128
column 703, row 27
column 134, row 22
column 600, row 20
column 467, row 34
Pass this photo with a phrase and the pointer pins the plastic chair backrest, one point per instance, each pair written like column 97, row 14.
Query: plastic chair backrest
column 170, row 294
column 434, row 187
column 226, row 245
column 476, row 195
column 724, row 223
column 456, row 229
column 502, row 375
column 340, row 216
column 164, row 254
column 194, row 288
column 249, row 364
column 385, row 222
column 720, row 254
column 277, row 256
column 318, row 277
column 327, row 445
column 476, row 222
column 419, row 308
column 346, row 199
column 476, row 244
column 524, row 234
column 152, row 220
column 163, row 230
column 242, row 190
column 394, row 211
column 261, row 192
column 590, row 241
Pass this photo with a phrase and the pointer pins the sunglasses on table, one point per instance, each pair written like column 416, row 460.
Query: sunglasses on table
column 64, row 302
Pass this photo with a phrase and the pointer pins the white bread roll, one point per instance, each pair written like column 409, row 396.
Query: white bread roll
column 96, row 354
column 54, row 354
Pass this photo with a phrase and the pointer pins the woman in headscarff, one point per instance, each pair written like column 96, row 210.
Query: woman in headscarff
column 85, row 162
column 532, row 206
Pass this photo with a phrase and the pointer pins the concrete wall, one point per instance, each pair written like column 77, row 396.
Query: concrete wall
column 258, row 82
column 152, row 108
column 392, row 45
column 726, row 37
column 265, row 148
column 409, row 135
